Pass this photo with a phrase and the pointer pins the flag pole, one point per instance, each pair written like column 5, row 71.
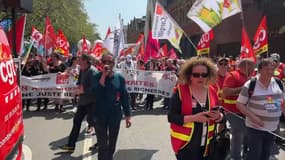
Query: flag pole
column 45, row 47
column 189, row 39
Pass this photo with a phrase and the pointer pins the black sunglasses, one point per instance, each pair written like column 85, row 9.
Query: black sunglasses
column 198, row 75
column 107, row 62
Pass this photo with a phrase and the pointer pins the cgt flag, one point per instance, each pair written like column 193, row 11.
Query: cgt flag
column 36, row 37
column 49, row 37
column 209, row 13
column 62, row 45
column 246, row 50
column 261, row 38
column 203, row 46
column 165, row 27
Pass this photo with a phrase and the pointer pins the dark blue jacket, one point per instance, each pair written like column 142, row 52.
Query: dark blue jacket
column 111, row 98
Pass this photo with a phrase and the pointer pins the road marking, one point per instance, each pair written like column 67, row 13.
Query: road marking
column 27, row 152
column 86, row 144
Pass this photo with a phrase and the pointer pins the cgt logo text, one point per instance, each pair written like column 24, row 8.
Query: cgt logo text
column 7, row 72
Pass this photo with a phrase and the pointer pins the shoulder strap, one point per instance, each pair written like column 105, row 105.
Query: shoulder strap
column 280, row 84
column 251, row 86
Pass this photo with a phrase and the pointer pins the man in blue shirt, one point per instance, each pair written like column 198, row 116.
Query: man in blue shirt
column 111, row 97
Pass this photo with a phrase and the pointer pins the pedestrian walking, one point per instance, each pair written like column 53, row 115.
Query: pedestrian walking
column 86, row 100
column 111, row 97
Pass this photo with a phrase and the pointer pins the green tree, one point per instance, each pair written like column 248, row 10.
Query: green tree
column 68, row 15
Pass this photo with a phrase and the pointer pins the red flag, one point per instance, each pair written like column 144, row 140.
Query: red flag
column 62, row 45
column 49, row 37
column 98, row 49
column 140, row 53
column 109, row 41
column 20, row 28
column 172, row 54
column 36, row 36
column 11, row 121
column 164, row 50
column 84, row 45
column 261, row 38
column 133, row 49
column 129, row 50
column 246, row 50
column 203, row 46
column 152, row 47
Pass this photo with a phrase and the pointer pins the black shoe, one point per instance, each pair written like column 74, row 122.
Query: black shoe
column 56, row 108
column 45, row 108
column 94, row 147
column 61, row 110
column 67, row 148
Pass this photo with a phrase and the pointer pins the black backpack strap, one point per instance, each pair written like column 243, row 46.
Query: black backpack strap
column 280, row 83
column 251, row 86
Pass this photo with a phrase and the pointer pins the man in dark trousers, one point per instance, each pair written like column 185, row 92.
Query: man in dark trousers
column 111, row 97
column 86, row 100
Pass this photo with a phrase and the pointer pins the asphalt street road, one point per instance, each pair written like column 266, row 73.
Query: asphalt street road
column 147, row 139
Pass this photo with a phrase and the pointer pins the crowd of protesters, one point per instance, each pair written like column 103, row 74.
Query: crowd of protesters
column 247, row 114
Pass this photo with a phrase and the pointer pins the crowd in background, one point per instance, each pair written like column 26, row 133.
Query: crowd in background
column 232, row 75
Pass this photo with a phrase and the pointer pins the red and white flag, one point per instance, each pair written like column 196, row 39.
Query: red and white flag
column 62, row 45
column 49, row 37
column 129, row 50
column 98, row 49
column 20, row 29
column 140, row 53
column 165, row 27
column 132, row 49
column 203, row 46
column 36, row 37
column 84, row 45
column 109, row 41
column 246, row 50
column 261, row 38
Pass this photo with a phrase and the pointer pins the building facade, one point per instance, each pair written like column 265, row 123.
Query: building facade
column 135, row 28
column 228, row 34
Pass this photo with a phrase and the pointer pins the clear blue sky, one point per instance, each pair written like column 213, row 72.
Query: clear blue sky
column 105, row 13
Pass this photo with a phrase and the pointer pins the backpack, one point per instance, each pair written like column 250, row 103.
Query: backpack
column 252, row 84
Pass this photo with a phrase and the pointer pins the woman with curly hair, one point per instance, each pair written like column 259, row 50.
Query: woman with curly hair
column 194, row 109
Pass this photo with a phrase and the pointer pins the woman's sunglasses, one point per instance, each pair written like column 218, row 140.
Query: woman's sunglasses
column 198, row 75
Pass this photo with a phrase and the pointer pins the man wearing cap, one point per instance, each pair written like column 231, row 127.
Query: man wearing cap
column 279, row 72
column 231, row 88
column 223, row 68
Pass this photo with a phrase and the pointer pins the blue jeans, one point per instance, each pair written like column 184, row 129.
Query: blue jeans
column 237, row 129
column 260, row 144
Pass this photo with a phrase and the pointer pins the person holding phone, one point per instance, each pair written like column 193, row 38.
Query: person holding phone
column 192, row 115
